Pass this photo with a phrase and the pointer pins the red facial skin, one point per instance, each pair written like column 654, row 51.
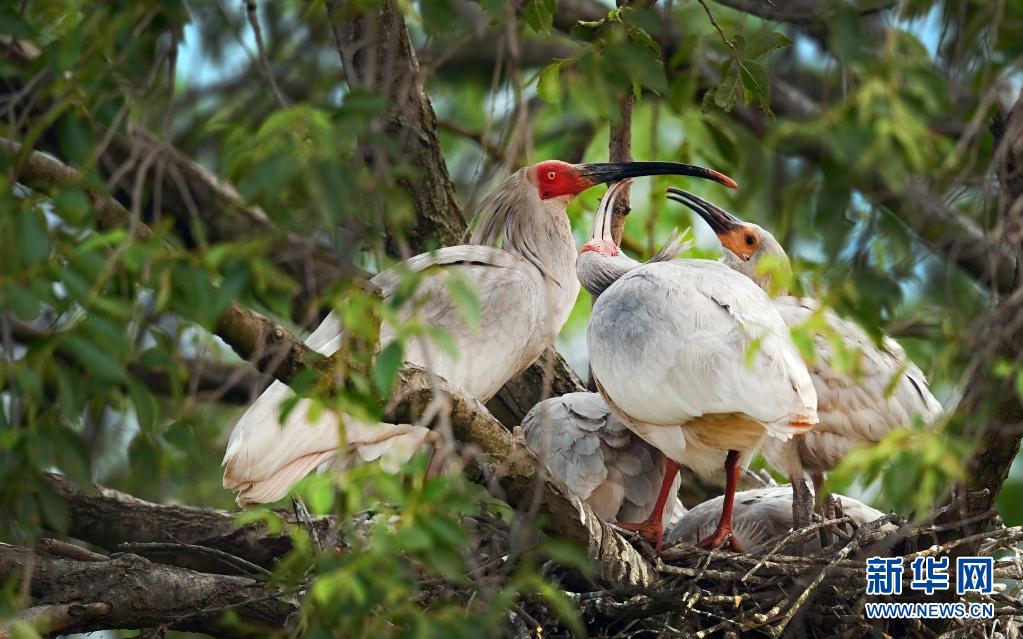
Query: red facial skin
column 554, row 178
column 602, row 247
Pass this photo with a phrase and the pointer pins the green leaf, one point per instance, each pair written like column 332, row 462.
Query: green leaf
column 72, row 455
column 539, row 15
column 728, row 92
column 438, row 16
column 181, row 436
column 764, row 42
column 755, row 84
column 385, row 371
column 94, row 359
column 548, row 87
column 567, row 554
column 22, row 630
column 75, row 138
column 31, row 241
column 53, row 508
column 587, row 29
column 144, row 402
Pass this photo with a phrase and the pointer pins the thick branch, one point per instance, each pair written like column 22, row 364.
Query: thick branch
column 377, row 54
column 988, row 394
column 506, row 460
column 107, row 518
column 803, row 12
column 131, row 592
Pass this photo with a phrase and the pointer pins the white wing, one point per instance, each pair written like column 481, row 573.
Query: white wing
column 761, row 516
column 669, row 342
column 854, row 407
column 266, row 454
column 589, row 449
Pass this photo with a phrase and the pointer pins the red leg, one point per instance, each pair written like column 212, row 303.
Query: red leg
column 723, row 533
column 653, row 528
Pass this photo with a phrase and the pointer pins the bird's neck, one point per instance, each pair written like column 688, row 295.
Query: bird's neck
column 559, row 259
column 597, row 271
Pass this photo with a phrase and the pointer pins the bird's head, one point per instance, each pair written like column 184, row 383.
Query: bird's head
column 555, row 179
column 744, row 243
column 601, row 241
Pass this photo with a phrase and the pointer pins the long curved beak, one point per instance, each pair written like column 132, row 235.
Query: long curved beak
column 731, row 231
column 602, row 220
column 613, row 171
column 718, row 219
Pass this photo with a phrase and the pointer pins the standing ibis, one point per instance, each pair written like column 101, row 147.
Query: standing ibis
column 855, row 407
column 521, row 263
column 694, row 359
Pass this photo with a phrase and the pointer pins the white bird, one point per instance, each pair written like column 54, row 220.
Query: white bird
column 857, row 407
column 598, row 458
column 694, row 359
column 577, row 436
column 520, row 263
column 762, row 516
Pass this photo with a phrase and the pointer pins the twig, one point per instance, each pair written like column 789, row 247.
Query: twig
column 146, row 548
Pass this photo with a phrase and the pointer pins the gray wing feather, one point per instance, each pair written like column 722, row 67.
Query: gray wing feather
column 596, row 455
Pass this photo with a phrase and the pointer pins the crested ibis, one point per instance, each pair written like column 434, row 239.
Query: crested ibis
column 858, row 407
column 597, row 457
column 692, row 357
column 762, row 516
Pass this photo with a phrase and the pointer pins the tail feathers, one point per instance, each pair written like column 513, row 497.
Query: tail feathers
column 787, row 428
column 393, row 452
column 265, row 458
column 275, row 486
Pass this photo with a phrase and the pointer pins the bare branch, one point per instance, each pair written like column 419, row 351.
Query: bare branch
column 108, row 518
column 131, row 592
column 803, row 12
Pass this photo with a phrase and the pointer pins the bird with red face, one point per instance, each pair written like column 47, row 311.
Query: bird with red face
column 520, row 261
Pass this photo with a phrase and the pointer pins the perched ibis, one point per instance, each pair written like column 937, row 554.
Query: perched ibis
column 855, row 407
column 694, row 359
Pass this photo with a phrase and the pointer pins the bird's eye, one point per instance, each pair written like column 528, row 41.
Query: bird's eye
column 750, row 240
column 551, row 175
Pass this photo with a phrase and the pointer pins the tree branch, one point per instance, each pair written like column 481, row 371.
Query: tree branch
column 131, row 592
column 803, row 12
column 365, row 43
column 377, row 54
column 107, row 518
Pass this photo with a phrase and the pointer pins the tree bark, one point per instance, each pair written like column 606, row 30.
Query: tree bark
column 107, row 518
column 129, row 591
column 377, row 54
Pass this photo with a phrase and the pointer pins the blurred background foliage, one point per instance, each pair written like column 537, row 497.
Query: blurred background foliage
column 826, row 119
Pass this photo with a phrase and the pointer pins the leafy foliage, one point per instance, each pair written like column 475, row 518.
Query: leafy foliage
column 102, row 326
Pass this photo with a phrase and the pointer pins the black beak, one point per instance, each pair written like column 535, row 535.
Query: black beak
column 614, row 171
column 720, row 220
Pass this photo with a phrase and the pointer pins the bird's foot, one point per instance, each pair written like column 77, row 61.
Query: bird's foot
column 652, row 531
column 802, row 505
column 722, row 538
column 831, row 509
